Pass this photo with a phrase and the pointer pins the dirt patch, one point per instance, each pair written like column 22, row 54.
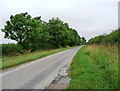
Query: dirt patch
column 61, row 81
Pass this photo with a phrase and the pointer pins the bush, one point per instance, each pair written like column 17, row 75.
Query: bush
column 112, row 38
column 11, row 49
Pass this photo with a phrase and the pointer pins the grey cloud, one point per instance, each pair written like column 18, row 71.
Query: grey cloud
column 88, row 18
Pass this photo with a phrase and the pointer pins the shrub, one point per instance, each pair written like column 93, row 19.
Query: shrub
column 11, row 49
column 112, row 38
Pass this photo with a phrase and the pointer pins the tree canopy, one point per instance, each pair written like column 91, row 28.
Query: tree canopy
column 17, row 27
column 34, row 33
column 111, row 38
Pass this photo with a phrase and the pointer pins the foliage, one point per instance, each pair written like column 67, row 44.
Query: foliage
column 11, row 49
column 83, row 40
column 38, row 38
column 111, row 38
column 11, row 61
column 95, row 67
column 34, row 33
column 62, row 34
column 17, row 27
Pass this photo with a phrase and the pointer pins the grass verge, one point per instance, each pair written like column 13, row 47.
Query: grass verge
column 95, row 67
column 11, row 61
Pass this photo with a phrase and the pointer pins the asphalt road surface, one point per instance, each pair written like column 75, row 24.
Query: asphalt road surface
column 39, row 73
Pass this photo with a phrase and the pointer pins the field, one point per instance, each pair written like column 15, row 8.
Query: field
column 12, row 60
column 95, row 67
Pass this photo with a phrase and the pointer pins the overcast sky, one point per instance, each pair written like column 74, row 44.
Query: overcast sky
column 88, row 17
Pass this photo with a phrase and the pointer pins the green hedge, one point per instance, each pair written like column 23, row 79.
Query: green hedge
column 111, row 38
column 9, row 49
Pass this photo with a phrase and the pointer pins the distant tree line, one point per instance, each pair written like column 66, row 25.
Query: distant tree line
column 34, row 33
column 112, row 38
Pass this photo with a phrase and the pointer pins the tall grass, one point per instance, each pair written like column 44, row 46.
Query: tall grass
column 12, row 60
column 95, row 67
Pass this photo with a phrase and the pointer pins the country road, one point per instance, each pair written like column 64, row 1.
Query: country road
column 39, row 73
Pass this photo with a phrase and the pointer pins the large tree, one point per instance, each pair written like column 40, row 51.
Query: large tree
column 61, row 34
column 33, row 33
column 38, row 39
column 56, row 32
column 83, row 40
column 17, row 27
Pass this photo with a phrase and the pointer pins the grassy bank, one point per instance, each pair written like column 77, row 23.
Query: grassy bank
column 11, row 61
column 95, row 67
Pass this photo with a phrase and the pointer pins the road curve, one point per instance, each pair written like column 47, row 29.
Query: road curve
column 39, row 73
